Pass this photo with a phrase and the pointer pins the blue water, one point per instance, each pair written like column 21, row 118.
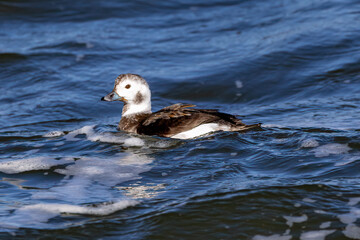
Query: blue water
column 67, row 173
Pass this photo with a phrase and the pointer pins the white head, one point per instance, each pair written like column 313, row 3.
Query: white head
column 134, row 91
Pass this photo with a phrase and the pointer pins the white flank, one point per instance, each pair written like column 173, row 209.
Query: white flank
column 201, row 130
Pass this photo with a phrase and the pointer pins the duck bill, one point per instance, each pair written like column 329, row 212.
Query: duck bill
column 113, row 96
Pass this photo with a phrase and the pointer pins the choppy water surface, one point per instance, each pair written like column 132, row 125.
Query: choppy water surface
column 293, row 65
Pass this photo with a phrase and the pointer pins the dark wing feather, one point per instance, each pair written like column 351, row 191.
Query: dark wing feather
column 180, row 117
column 177, row 106
column 173, row 111
column 223, row 116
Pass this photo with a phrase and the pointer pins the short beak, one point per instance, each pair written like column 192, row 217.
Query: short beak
column 113, row 96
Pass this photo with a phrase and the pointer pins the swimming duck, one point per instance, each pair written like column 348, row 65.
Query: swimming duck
column 176, row 121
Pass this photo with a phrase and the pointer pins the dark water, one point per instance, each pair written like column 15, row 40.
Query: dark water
column 293, row 65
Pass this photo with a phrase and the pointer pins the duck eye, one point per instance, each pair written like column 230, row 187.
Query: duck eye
column 128, row 86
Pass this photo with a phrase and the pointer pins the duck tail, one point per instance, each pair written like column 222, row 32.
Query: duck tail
column 244, row 128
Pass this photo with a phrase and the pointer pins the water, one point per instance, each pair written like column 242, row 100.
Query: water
column 291, row 65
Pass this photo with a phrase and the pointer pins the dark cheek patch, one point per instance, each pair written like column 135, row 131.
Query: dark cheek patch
column 138, row 98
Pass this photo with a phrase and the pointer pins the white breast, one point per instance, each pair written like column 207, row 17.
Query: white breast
column 201, row 130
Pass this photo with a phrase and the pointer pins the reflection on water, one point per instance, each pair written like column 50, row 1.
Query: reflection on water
column 86, row 186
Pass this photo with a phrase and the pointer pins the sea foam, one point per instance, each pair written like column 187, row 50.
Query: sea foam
column 87, row 180
column 272, row 237
column 309, row 143
column 354, row 201
column 290, row 220
column 37, row 215
column 54, row 134
column 315, row 235
column 352, row 231
column 119, row 138
column 331, row 148
column 29, row 164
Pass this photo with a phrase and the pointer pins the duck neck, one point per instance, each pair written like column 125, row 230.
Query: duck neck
column 131, row 109
column 133, row 117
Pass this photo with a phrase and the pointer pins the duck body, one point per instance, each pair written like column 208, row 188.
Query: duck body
column 176, row 121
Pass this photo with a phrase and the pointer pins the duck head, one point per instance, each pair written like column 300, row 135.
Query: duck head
column 134, row 91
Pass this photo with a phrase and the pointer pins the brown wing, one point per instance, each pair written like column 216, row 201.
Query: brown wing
column 179, row 118
column 173, row 111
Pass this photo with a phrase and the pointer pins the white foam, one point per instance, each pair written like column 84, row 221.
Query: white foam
column 100, row 210
column 88, row 130
column 290, row 220
column 32, row 215
column 316, row 235
column 271, row 237
column 320, row 211
column 347, row 218
column 347, row 160
column 29, row 164
column 352, row 231
column 125, row 139
column 54, row 134
column 87, row 180
column 103, row 137
column 325, row 225
column 122, row 167
column 141, row 191
column 331, row 148
column 354, row 201
column 269, row 125
column 134, row 141
column 309, row 200
column 239, row 84
column 92, row 177
column 309, row 143
column 163, row 143
column 350, row 217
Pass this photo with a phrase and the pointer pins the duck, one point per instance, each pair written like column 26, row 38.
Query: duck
column 179, row 121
